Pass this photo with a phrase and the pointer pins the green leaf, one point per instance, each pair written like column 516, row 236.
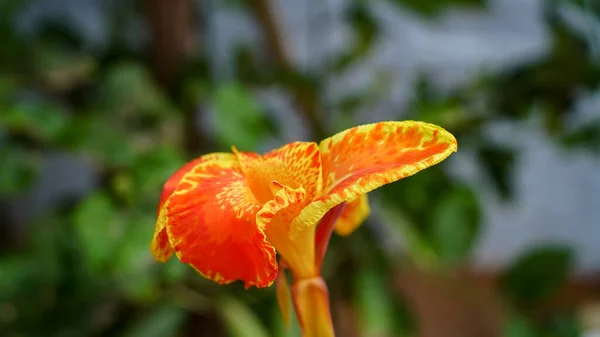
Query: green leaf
column 163, row 322
column 435, row 7
column 455, row 224
column 131, row 117
column 404, row 229
column 499, row 162
column 40, row 266
column 46, row 240
column 15, row 270
column 240, row 119
column 248, row 68
column 100, row 229
column 538, row 274
column 133, row 263
column 365, row 30
column 131, row 92
column 374, row 305
column 8, row 87
column 151, row 170
column 38, row 119
column 19, row 168
column 447, row 112
column 519, row 326
column 239, row 319
column 174, row 270
column 565, row 325
column 62, row 70
column 587, row 135
column 97, row 136
column 279, row 328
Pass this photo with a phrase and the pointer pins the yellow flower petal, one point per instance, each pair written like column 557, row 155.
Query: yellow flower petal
column 353, row 214
column 363, row 158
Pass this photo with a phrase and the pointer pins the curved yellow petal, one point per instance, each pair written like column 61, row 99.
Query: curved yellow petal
column 363, row 158
column 353, row 214
column 276, row 216
column 284, row 200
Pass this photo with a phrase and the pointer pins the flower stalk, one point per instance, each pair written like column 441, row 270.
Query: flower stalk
column 311, row 302
column 310, row 296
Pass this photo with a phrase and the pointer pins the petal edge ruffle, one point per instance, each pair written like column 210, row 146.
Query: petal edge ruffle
column 210, row 220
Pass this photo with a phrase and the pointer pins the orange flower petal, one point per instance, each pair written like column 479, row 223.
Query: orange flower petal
column 363, row 158
column 210, row 220
column 276, row 216
column 296, row 164
column 353, row 214
column 160, row 246
column 285, row 198
column 286, row 179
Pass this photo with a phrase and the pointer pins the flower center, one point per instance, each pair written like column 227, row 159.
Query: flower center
column 277, row 215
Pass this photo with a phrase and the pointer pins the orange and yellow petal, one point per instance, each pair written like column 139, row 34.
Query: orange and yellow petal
column 160, row 246
column 363, row 158
column 353, row 214
column 210, row 219
column 296, row 165
column 310, row 298
column 284, row 199
column 276, row 217
column 286, row 180
column 171, row 184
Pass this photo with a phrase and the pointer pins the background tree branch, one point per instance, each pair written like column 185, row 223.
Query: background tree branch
column 305, row 96
column 173, row 28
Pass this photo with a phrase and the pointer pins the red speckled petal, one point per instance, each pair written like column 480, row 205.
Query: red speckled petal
column 366, row 157
column 353, row 214
column 160, row 246
column 210, row 220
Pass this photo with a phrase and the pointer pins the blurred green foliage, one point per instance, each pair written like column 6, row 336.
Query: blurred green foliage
column 538, row 274
column 83, row 268
column 431, row 8
column 375, row 307
column 239, row 117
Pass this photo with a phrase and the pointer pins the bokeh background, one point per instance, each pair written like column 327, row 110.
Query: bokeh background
column 101, row 100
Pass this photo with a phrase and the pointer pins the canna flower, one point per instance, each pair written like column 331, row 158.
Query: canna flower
column 228, row 215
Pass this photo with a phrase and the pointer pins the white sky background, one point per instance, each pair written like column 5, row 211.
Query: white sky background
column 558, row 191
